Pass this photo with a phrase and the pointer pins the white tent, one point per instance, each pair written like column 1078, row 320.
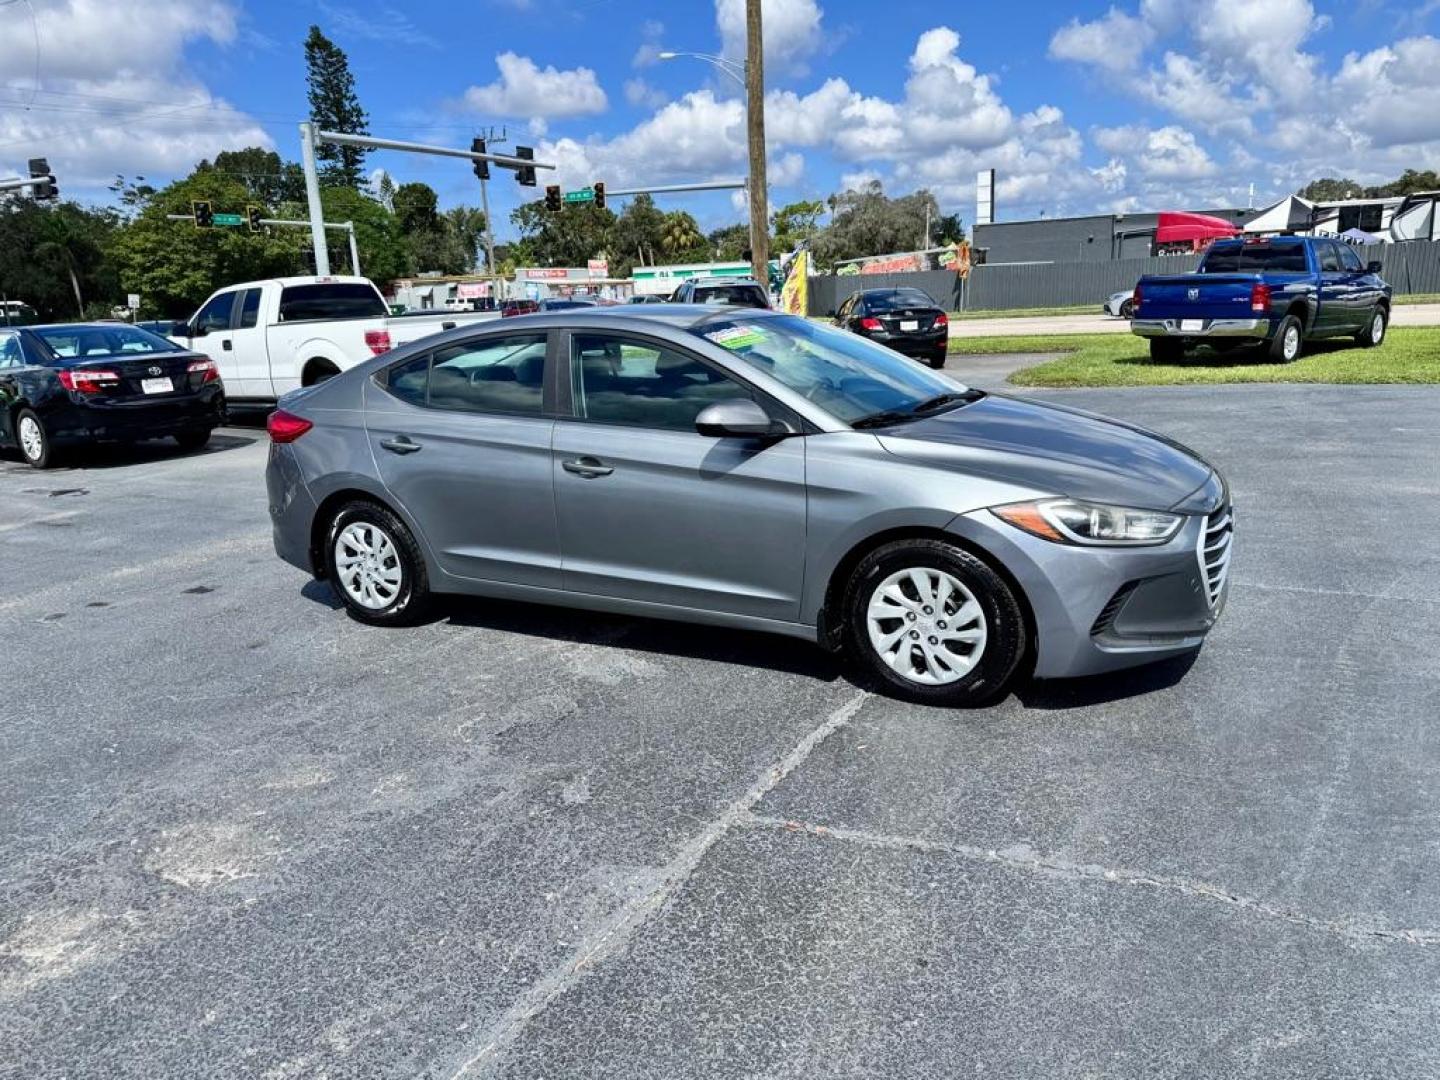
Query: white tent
column 1290, row 214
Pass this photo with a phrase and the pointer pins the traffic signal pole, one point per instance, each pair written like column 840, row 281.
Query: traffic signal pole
column 288, row 223
column 312, row 197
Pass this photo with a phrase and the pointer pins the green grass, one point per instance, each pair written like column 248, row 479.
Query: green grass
column 1408, row 355
column 1023, row 313
column 1417, row 298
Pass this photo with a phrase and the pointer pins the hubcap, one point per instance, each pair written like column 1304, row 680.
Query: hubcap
column 32, row 439
column 367, row 565
column 1377, row 329
column 1292, row 343
column 926, row 625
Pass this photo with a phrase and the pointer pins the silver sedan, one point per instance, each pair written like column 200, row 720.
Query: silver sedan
column 1121, row 304
column 750, row 469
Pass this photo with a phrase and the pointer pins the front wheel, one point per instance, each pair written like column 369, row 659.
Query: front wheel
column 933, row 623
column 1289, row 339
column 375, row 566
column 190, row 441
column 1374, row 332
column 34, row 441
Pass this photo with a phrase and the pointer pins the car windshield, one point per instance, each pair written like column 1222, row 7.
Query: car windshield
column 897, row 300
column 88, row 342
column 1277, row 257
column 848, row 376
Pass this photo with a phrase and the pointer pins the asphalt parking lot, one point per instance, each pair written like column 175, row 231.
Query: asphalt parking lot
column 242, row 835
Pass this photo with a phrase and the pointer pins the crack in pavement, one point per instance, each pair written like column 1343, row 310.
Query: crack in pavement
column 1022, row 857
column 621, row 925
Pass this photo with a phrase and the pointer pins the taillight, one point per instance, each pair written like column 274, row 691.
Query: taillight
column 871, row 323
column 209, row 368
column 1260, row 297
column 88, row 380
column 941, row 321
column 286, row 427
column 1135, row 301
column 377, row 341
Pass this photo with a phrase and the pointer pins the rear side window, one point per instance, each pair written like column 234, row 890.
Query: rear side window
column 10, row 355
column 336, row 300
column 489, row 375
column 249, row 309
column 1281, row 256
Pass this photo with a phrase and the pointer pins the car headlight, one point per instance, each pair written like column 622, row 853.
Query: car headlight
column 1070, row 521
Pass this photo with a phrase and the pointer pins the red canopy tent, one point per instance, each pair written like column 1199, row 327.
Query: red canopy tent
column 1176, row 227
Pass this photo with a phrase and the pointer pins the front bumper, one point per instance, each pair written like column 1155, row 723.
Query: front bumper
column 1104, row 609
column 1257, row 329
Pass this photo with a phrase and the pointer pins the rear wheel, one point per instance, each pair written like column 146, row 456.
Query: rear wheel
column 1374, row 332
column 1166, row 350
column 937, row 361
column 33, row 440
column 193, row 440
column 375, row 566
column 1288, row 341
column 317, row 371
column 933, row 623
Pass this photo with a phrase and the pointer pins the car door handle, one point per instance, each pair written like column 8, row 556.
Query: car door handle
column 587, row 467
column 226, row 345
column 400, row 445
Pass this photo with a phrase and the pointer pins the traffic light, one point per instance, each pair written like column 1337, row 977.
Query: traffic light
column 552, row 198
column 45, row 188
column 482, row 168
column 600, row 193
column 525, row 174
column 254, row 213
column 203, row 213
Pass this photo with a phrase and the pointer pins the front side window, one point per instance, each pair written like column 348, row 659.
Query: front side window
column 1350, row 259
column 215, row 315
column 617, row 380
column 847, row 375
column 334, row 300
column 488, row 375
column 1329, row 258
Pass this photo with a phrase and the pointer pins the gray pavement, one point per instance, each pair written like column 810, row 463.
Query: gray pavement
column 241, row 835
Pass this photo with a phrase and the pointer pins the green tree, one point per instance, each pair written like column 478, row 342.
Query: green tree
column 269, row 180
column 731, row 243
column 637, row 236
column 334, row 106
column 56, row 258
column 416, row 207
column 867, row 222
column 681, row 238
column 384, row 255
column 568, row 238
column 794, row 223
column 465, row 235
column 1409, row 183
column 1330, row 188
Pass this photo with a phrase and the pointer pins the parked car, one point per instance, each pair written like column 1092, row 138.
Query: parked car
column 272, row 336
column 644, row 298
column 566, row 303
column 905, row 320
column 511, row 308
column 752, row 469
column 1120, row 304
column 82, row 383
column 1276, row 293
column 16, row 313
column 736, row 291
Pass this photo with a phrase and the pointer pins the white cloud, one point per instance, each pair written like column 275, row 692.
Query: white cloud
column 791, row 29
column 785, row 171
column 524, row 89
column 652, row 32
column 640, row 93
column 115, row 94
column 1114, row 41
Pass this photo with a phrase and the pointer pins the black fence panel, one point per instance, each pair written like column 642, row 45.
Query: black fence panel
column 828, row 292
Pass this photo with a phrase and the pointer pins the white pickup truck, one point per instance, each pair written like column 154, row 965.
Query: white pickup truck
column 271, row 336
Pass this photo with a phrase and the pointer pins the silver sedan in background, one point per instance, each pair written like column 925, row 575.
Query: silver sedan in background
column 1121, row 304
column 750, row 469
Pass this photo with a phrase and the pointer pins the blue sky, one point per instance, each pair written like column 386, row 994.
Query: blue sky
column 1139, row 105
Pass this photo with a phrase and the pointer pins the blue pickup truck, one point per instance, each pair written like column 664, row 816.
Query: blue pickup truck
column 1274, row 292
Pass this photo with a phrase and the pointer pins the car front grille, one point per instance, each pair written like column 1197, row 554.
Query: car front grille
column 1214, row 552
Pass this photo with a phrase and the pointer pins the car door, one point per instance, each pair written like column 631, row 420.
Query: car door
column 251, row 357
column 649, row 509
column 1335, row 289
column 461, row 437
column 1364, row 290
column 12, row 359
column 210, row 333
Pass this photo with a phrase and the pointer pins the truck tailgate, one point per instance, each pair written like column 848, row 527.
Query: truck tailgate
column 1197, row 296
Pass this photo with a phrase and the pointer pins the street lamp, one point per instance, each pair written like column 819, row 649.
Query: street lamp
column 750, row 75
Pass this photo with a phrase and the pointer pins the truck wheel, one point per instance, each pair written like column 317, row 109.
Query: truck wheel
column 317, row 371
column 1374, row 332
column 1166, row 350
column 1289, row 339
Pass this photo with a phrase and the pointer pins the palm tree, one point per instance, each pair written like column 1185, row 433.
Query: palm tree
column 62, row 241
column 680, row 233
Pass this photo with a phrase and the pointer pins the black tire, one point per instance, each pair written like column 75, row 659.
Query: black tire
column 40, row 451
column 411, row 600
column 1167, row 350
column 190, row 441
column 1003, row 623
column 1280, row 344
column 938, row 360
column 1127, row 309
column 317, row 371
column 1375, row 326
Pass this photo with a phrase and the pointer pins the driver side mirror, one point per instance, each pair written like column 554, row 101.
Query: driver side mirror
column 739, row 418
column 194, row 330
column 1373, row 266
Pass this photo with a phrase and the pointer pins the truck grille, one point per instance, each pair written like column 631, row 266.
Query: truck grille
column 1214, row 552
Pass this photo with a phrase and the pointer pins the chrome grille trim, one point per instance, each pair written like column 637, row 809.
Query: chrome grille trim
column 1213, row 550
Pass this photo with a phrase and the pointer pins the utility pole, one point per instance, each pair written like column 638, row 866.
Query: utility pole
column 312, row 196
column 755, row 108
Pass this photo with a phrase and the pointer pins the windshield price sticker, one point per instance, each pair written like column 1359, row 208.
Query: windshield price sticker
column 737, row 337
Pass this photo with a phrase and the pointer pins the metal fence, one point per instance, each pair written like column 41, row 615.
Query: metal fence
column 1409, row 268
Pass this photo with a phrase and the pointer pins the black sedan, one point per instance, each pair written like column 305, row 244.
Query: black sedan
column 102, row 382
column 905, row 320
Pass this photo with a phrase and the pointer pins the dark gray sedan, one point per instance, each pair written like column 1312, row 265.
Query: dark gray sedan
column 757, row 470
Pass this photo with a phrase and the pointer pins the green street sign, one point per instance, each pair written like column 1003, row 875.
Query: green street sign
column 583, row 195
column 229, row 219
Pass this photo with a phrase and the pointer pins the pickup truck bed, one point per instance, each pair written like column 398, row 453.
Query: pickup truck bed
column 1268, row 292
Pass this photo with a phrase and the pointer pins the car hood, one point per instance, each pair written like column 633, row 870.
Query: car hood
column 1052, row 448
